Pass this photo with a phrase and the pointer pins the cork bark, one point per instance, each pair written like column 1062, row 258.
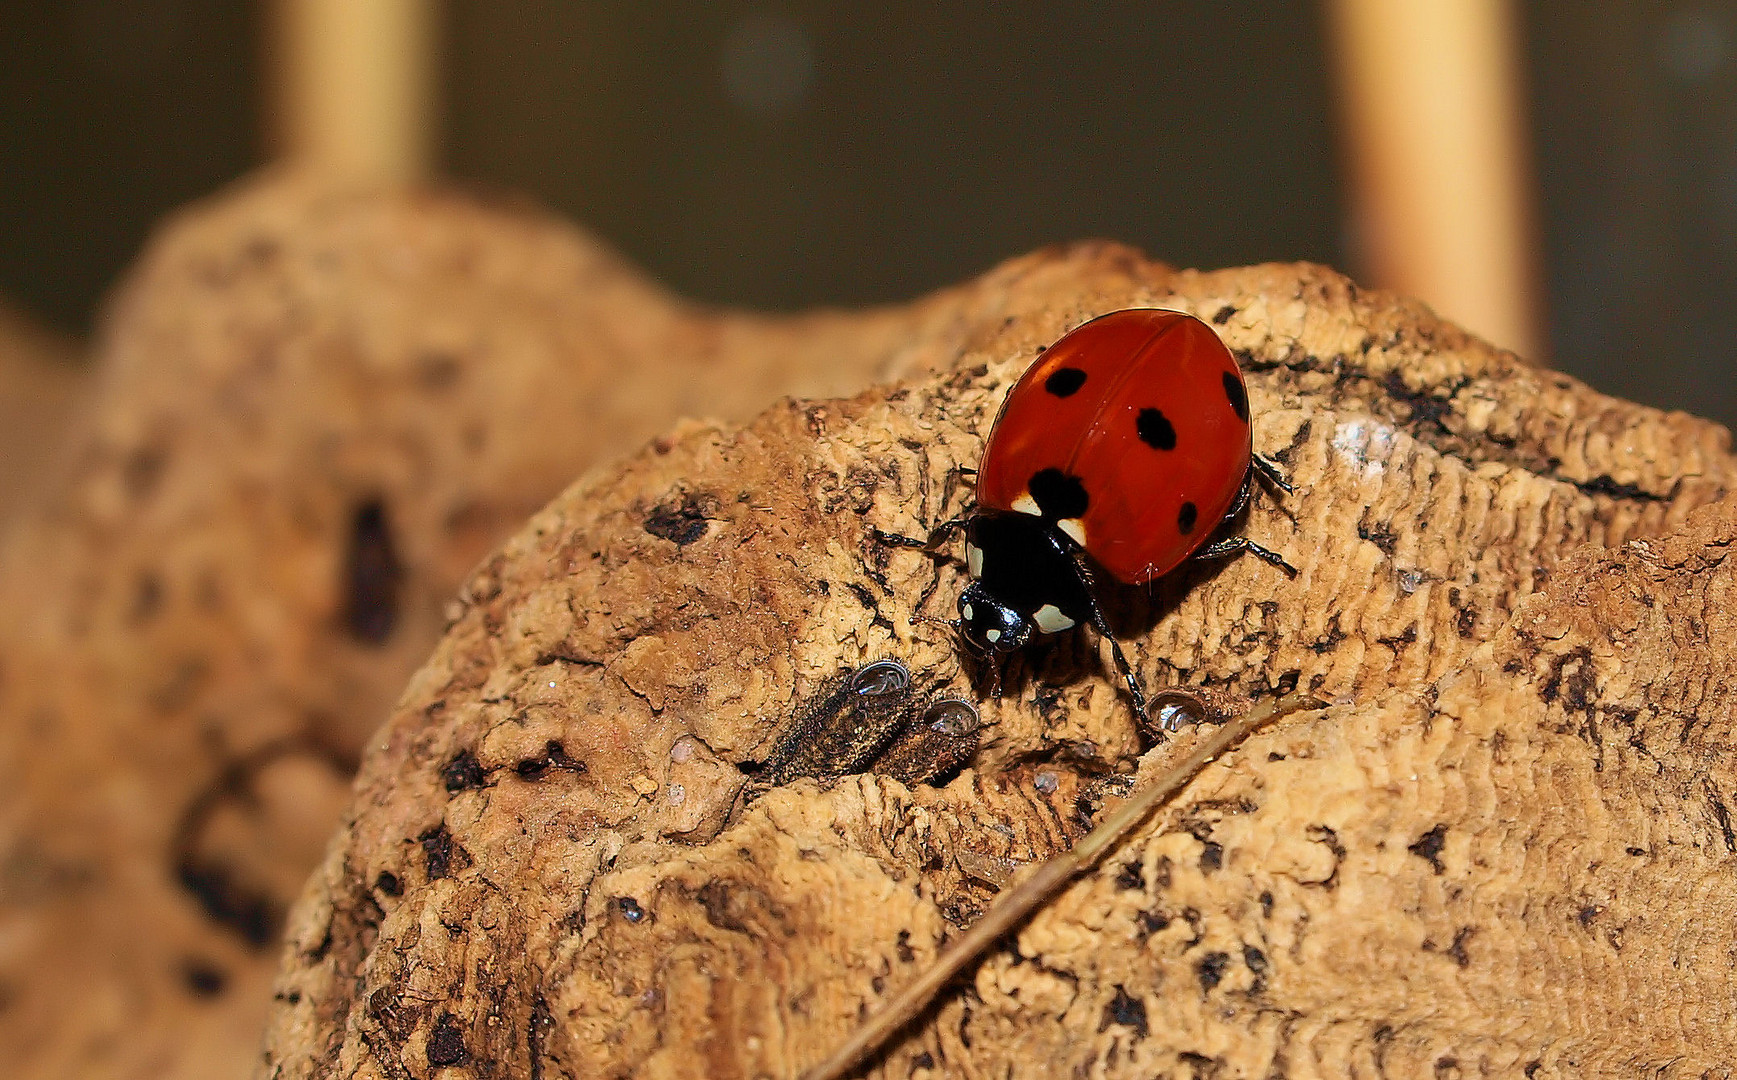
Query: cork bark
column 314, row 411
column 1505, row 849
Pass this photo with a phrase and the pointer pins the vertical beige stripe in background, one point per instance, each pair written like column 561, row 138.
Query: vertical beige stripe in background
column 1436, row 132
column 354, row 85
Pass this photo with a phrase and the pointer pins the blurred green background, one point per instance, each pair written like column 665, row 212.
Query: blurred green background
column 782, row 155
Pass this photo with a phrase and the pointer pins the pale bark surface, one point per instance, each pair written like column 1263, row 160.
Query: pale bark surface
column 1507, row 849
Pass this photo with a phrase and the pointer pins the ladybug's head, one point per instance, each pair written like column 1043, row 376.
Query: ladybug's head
column 988, row 624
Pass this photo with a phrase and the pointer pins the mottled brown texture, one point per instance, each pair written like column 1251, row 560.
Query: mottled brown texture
column 314, row 411
column 1512, row 821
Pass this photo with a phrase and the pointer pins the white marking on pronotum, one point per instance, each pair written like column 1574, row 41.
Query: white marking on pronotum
column 1050, row 619
column 974, row 561
column 1025, row 504
column 970, row 615
column 1075, row 528
column 992, row 635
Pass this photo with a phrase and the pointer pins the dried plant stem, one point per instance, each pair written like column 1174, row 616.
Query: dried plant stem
column 1013, row 906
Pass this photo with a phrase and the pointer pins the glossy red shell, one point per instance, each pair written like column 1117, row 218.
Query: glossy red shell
column 1133, row 362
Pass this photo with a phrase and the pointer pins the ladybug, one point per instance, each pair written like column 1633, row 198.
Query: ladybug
column 1124, row 450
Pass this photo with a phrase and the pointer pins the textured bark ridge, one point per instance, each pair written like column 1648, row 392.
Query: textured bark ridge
column 1507, row 848
column 316, row 411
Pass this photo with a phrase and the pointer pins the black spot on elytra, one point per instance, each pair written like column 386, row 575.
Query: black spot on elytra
column 1429, row 845
column 204, row 979
column 462, row 773
column 1155, row 430
column 1065, row 382
column 679, row 523
column 1058, row 495
column 446, row 1043
column 372, row 576
column 1125, row 1011
column 1238, row 395
column 1186, row 517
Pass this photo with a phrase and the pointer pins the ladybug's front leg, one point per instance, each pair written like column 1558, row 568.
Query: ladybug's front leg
column 1137, row 696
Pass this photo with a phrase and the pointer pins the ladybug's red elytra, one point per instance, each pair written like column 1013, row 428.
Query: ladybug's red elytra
column 1126, row 447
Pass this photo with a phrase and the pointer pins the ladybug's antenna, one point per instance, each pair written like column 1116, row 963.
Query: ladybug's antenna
column 1012, row 907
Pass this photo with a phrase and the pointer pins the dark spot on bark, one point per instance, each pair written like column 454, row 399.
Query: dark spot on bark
column 441, row 854
column 462, row 773
column 1125, row 1011
column 147, row 596
column 1329, row 641
column 537, row 1031
column 1466, row 622
column 1223, row 315
column 1379, row 534
column 1636, row 851
column 1426, row 408
column 446, row 1043
column 1065, row 382
column 924, row 1060
column 1458, row 949
column 630, row 909
column 554, row 757
column 1058, row 495
column 1237, row 394
column 679, row 523
column 1186, row 517
column 902, row 948
column 1586, row 915
column 1576, row 689
column 204, row 979
column 1532, row 1068
column 1132, row 876
column 225, row 901
column 1155, row 429
column 1721, row 814
column 1211, row 969
column 1267, row 903
column 1255, row 959
column 1607, row 485
column 437, row 370
column 1211, row 857
column 372, row 576
column 1429, row 845
column 1447, row 1066
column 141, row 471
column 388, row 883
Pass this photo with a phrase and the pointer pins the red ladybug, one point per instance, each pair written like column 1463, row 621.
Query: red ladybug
column 1125, row 447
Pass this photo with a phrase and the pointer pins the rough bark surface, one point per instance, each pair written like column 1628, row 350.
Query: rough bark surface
column 1507, row 849
column 315, row 411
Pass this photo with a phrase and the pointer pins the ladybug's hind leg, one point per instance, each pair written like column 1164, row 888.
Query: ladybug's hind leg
column 1239, row 545
column 1269, row 474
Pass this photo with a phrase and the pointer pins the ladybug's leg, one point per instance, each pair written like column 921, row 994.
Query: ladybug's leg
column 1238, row 545
column 1269, row 472
column 937, row 537
column 1137, row 697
